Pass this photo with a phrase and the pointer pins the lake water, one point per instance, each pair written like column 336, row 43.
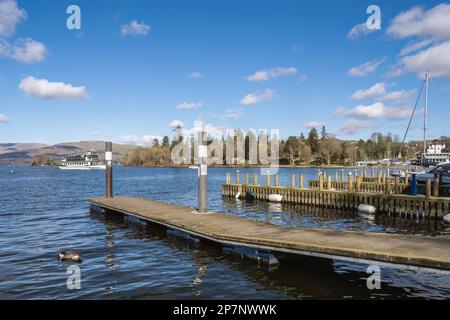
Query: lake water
column 42, row 212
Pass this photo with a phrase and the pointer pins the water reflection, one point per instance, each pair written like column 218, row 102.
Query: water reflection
column 297, row 277
column 307, row 216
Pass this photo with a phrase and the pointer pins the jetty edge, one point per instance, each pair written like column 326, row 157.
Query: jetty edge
column 403, row 251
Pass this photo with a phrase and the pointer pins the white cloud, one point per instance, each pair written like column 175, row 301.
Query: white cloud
column 10, row 16
column 256, row 97
column 359, row 30
column 195, row 75
column 313, row 124
column 376, row 110
column 399, row 96
column 434, row 23
column 431, row 51
column 3, row 118
column 414, row 46
column 353, row 126
column 24, row 50
column 177, row 124
column 434, row 59
column 140, row 140
column 42, row 88
column 264, row 75
column 376, row 90
column 231, row 113
column 134, row 28
column 189, row 105
column 366, row 68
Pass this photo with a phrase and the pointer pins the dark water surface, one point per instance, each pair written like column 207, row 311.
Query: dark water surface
column 42, row 211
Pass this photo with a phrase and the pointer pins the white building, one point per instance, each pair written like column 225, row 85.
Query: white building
column 435, row 154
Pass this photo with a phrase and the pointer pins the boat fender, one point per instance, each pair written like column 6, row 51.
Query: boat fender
column 447, row 218
column 275, row 197
column 367, row 208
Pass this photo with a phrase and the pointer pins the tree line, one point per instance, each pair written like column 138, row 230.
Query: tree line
column 316, row 148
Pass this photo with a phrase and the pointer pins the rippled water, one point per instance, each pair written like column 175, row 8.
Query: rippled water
column 42, row 211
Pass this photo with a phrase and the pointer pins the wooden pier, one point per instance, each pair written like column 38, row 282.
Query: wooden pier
column 228, row 230
column 386, row 196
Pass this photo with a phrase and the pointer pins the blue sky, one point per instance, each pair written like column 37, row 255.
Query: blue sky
column 136, row 66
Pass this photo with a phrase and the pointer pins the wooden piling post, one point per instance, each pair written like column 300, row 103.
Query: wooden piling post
column 246, row 179
column 372, row 173
column 436, row 187
column 320, row 182
column 329, row 183
column 300, row 178
column 396, row 182
column 255, row 179
column 108, row 159
column 387, row 186
column 318, row 174
column 358, row 184
column 365, row 173
column 350, row 182
column 428, row 188
column 268, row 180
column 238, row 177
column 342, row 175
column 293, row 181
column 336, row 176
column 228, row 178
column 379, row 176
column 276, row 180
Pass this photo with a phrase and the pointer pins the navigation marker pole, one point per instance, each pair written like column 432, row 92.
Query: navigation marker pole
column 202, row 173
column 108, row 159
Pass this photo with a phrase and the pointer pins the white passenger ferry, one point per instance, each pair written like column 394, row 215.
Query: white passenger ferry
column 86, row 161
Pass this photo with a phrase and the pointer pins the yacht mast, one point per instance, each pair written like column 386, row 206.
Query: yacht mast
column 425, row 117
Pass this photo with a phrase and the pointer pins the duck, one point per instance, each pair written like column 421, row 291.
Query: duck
column 73, row 256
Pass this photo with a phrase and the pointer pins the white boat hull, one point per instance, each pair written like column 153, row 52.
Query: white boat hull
column 97, row 167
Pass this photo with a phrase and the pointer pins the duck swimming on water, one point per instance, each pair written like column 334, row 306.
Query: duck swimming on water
column 73, row 256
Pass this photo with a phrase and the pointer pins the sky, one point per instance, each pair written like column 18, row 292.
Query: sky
column 135, row 69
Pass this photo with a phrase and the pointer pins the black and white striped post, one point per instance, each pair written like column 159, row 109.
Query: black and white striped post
column 108, row 160
column 202, row 173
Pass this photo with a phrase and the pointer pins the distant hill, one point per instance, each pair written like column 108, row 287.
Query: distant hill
column 24, row 153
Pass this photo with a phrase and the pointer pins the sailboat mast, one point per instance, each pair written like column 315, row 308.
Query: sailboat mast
column 425, row 117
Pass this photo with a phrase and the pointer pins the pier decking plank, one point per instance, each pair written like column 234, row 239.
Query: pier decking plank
column 421, row 251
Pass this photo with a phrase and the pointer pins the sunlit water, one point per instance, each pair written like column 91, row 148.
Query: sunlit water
column 42, row 211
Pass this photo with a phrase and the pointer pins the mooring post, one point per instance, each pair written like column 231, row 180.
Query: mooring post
column 320, row 182
column 202, row 173
column 255, row 179
column 379, row 176
column 396, row 182
column 108, row 159
column 246, row 179
column 428, row 188
column 268, row 180
column 342, row 175
column 318, row 174
column 238, row 177
column 413, row 187
column 387, row 186
column 350, row 182
column 300, row 182
column 436, row 187
column 371, row 173
column 228, row 178
column 336, row 176
column 358, row 184
column 293, row 181
column 329, row 183
column 276, row 180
